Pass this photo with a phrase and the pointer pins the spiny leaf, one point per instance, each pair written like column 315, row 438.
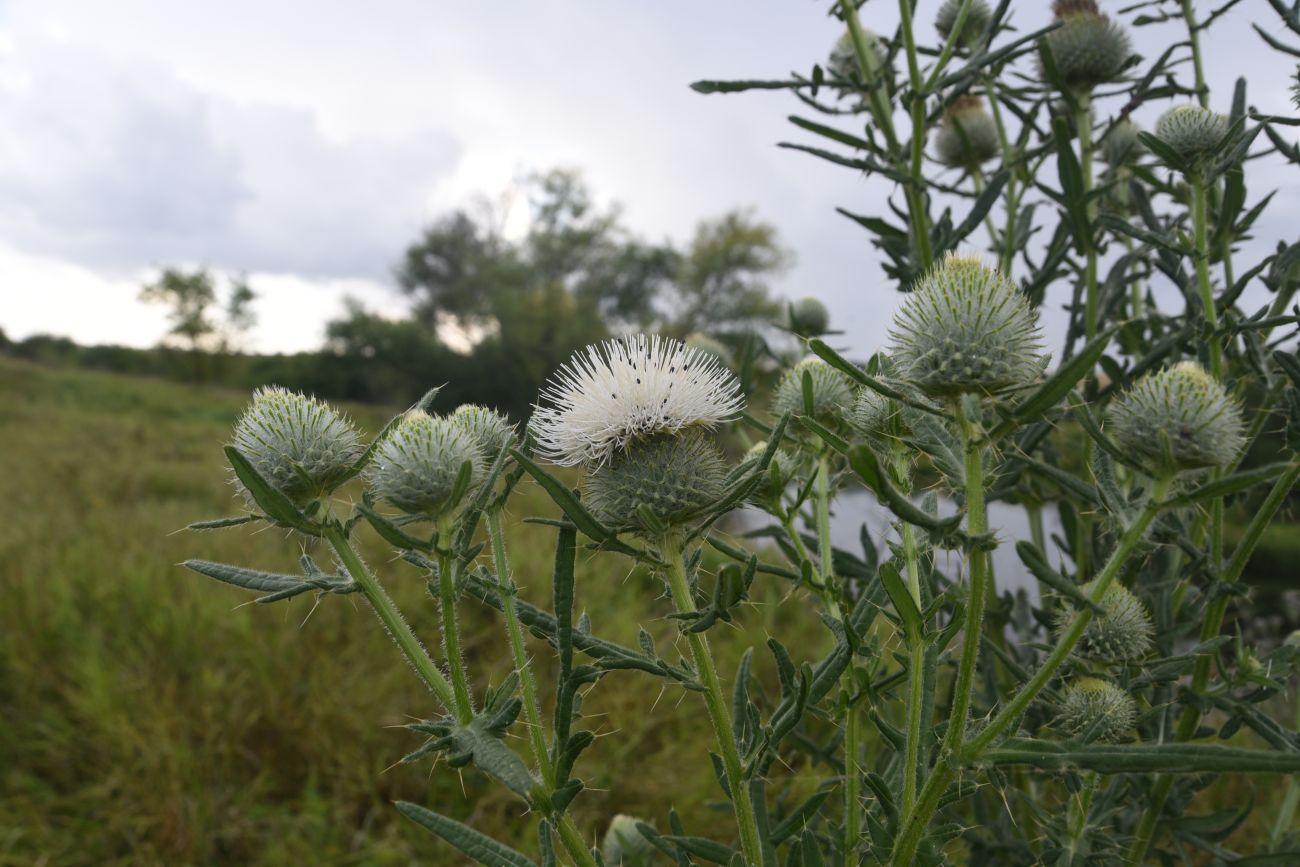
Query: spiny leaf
column 474, row 844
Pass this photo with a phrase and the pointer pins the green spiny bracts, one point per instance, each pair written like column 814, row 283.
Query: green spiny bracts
column 808, row 317
column 1121, row 633
column 832, row 391
column 977, row 19
column 783, row 462
column 1121, row 144
column 300, row 445
column 968, row 136
column 1088, row 48
column 1096, row 709
column 843, row 62
column 1180, row 418
column 418, row 463
column 677, row 477
column 966, row 328
column 710, row 346
column 874, row 415
column 490, row 430
column 624, row 845
column 1193, row 132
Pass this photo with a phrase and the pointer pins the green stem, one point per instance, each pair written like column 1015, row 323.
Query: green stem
column 392, row 619
column 571, row 837
column 451, row 631
column 670, row 548
column 916, row 186
column 1077, row 823
column 915, row 823
column 1083, row 128
column 1286, row 812
column 527, row 686
column 1200, row 228
column 976, row 526
column 916, row 643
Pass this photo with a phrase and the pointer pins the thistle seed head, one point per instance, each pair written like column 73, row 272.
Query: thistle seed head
column 1122, row 633
column 977, row 19
column 624, row 846
column 1192, row 131
column 1088, row 48
column 1180, row 418
column 417, row 464
column 966, row 328
column 832, row 391
column 968, row 136
column 300, row 445
column 1121, row 144
column 490, row 430
column 1097, row 708
column 611, row 394
column 676, row 476
column 710, row 346
column 809, row 317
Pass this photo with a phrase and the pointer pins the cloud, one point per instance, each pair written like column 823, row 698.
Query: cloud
column 117, row 164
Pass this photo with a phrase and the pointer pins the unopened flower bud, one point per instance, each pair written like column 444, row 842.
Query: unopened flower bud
column 783, row 462
column 300, row 445
column 624, row 845
column 1088, row 48
column 1121, row 633
column 843, row 62
column 1180, row 418
column 832, row 391
column 676, row 476
column 1193, row 132
column 490, row 430
column 875, row 415
column 968, row 136
column 966, row 328
column 808, row 317
column 977, row 19
column 710, row 346
column 417, row 465
column 1098, row 709
column 1121, row 143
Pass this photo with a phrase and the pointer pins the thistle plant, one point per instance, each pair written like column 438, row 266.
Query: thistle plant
column 909, row 705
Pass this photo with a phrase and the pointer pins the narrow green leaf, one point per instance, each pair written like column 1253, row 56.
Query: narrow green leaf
column 702, row 847
column 390, row 532
column 1235, row 483
column 275, row 504
column 249, row 579
column 864, row 462
column 219, row 523
column 1167, row 758
column 572, row 506
column 1038, row 566
column 1060, row 383
column 474, row 844
column 904, row 604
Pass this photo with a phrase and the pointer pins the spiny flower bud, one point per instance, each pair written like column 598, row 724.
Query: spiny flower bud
column 1192, row 131
column 417, row 464
column 843, row 62
column 707, row 345
column 783, row 461
column 1121, row 143
column 300, row 445
column 977, row 19
column 677, row 477
column 1180, row 418
column 1121, row 633
column 808, row 317
column 624, row 845
column 832, row 391
column 966, row 328
column 490, row 430
column 1098, row 709
column 875, row 415
column 968, row 136
column 1088, row 48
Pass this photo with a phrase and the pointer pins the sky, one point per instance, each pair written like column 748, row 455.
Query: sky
column 306, row 143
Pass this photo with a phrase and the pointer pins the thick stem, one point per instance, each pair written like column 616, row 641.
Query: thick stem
column 392, row 619
column 1200, row 228
column 916, row 643
column 527, row 686
column 1083, row 128
column 1077, row 822
column 451, row 633
column 916, row 187
column 573, row 843
column 670, row 548
column 977, row 559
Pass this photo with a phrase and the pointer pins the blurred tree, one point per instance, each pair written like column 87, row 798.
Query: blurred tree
column 191, row 297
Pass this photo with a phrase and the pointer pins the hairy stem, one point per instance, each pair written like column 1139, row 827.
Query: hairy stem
column 573, row 843
column 451, row 630
column 392, row 619
column 916, row 187
column 916, row 643
column 670, row 548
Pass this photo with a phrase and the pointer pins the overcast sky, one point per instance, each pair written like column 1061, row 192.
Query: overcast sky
column 306, row 143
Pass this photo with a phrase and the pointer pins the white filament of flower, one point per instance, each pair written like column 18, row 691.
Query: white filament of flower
column 614, row 392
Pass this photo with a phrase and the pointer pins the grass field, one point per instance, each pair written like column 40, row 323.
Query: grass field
column 148, row 719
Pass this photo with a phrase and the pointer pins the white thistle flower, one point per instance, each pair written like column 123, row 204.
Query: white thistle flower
column 632, row 387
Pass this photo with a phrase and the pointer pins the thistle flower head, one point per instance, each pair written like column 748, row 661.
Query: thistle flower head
column 808, row 317
column 1121, row 144
column 874, row 415
column 677, row 477
column 783, row 461
column 490, row 430
column 1088, row 48
column 1122, row 633
column 968, row 136
column 1193, row 132
column 843, row 62
column 631, row 388
column 1096, row 708
column 417, row 464
column 624, row 845
column 707, row 345
column 300, row 445
column 832, row 391
column 1180, row 418
column 977, row 19
column 966, row 328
